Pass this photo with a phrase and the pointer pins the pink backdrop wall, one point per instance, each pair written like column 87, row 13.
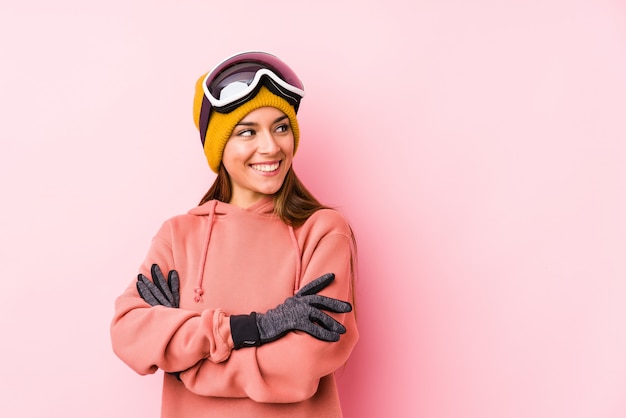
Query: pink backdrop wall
column 477, row 147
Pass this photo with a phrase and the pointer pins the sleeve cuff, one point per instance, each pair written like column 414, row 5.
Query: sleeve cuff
column 244, row 331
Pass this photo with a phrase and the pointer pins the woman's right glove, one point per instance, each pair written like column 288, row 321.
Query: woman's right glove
column 301, row 312
column 160, row 291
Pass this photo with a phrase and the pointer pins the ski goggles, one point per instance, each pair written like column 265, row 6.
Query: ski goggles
column 239, row 78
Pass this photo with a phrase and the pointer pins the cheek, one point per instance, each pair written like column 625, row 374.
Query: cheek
column 233, row 152
column 287, row 147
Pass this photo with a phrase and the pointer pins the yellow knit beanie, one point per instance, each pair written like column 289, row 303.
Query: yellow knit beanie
column 221, row 125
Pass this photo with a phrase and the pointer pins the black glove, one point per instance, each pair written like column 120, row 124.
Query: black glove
column 302, row 312
column 160, row 291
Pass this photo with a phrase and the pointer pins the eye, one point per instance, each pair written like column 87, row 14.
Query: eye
column 283, row 127
column 246, row 133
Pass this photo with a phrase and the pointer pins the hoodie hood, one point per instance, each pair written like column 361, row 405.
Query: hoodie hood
column 263, row 208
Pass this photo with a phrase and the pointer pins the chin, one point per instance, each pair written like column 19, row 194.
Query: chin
column 270, row 189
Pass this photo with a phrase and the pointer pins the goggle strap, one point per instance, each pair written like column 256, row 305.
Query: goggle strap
column 203, row 123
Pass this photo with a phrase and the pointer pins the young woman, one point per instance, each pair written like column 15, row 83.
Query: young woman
column 254, row 316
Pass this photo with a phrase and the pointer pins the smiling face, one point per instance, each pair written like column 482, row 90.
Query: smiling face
column 258, row 155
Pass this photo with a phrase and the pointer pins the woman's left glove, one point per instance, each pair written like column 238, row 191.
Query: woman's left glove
column 300, row 312
column 160, row 291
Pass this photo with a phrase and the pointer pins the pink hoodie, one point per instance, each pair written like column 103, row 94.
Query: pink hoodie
column 234, row 261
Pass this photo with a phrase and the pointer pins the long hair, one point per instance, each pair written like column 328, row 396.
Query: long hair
column 293, row 204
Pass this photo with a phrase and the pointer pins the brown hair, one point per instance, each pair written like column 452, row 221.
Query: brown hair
column 293, row 204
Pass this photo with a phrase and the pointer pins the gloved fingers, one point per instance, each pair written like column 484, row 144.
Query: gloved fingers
column 145, row 293
column 316, row 285
column 326, row 322
column 159, row 281
column 326, row 303
column 151, row 293
column 320, row 333
column 174, row 283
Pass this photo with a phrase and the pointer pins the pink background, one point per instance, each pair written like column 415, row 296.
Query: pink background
column 478, row 149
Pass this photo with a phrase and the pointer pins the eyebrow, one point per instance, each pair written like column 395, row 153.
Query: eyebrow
column 254, row 123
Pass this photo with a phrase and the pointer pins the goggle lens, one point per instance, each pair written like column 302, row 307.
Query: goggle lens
column 235, row 84
column 233, row 80
column 238, row 78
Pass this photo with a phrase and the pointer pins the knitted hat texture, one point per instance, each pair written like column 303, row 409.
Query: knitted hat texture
column 221, row 125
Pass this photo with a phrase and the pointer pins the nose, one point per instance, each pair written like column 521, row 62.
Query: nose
column 267, row 143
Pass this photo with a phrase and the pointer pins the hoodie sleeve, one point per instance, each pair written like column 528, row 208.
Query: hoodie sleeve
column 148, row 338
column 289, row 369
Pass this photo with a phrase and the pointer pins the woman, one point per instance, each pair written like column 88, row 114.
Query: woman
column 253, row 318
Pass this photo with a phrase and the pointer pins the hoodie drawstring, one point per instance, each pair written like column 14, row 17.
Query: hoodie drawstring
column 198, row 290
column 294, row 242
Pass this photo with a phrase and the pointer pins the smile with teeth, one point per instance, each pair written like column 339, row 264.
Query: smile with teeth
column 265, row 168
